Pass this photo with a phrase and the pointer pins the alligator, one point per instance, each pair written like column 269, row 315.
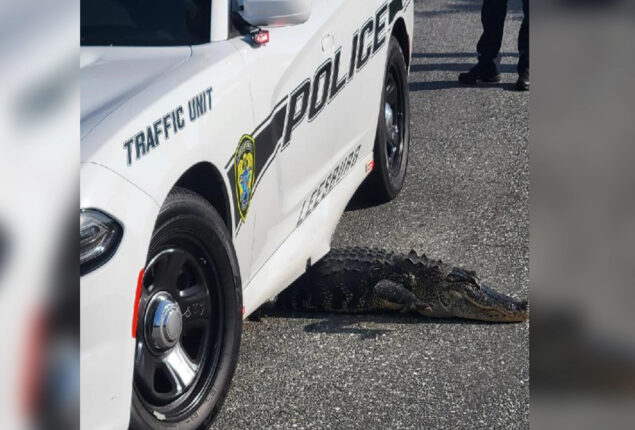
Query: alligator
column 363, row 280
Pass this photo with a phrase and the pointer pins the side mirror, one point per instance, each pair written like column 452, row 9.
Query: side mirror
column 276, row 12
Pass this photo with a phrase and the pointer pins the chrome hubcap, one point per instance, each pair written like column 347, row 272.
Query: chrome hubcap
column 388, row 116
column 164, row 321
column 392, row 129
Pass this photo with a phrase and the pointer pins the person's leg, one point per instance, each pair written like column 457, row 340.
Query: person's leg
column 523, row 50
column 493, row 14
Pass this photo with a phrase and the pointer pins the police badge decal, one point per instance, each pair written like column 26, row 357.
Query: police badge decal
column 245, row 173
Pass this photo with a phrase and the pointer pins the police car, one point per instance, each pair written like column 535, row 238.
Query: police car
column 220, row 143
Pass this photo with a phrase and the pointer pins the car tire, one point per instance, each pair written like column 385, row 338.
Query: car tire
column 189, row 318
column 392, row 141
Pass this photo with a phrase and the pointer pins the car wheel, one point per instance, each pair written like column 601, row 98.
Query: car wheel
column 392, row 140
column 189, row 318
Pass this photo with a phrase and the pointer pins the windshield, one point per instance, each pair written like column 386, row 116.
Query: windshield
column 145, row 22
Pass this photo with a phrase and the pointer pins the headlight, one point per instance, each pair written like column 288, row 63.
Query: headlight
column 99, row 237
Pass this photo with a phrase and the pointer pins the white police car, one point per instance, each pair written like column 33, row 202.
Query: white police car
column 221, row 141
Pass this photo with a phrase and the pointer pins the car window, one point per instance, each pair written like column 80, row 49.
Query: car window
column 145, row 22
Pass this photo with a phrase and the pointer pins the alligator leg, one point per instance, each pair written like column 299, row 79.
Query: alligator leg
column 395, row 296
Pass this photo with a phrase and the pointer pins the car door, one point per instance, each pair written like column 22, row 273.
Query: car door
column 361, row 32
column 294, row 145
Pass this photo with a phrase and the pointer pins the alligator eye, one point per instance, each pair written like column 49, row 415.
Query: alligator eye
column 456, row 275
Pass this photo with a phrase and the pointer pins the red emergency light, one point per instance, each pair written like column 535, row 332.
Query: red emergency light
column 261, row 37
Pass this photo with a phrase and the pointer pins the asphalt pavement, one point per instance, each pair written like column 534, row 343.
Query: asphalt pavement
column 465, row 202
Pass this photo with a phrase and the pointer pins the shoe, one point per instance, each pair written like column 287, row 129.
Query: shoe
column 522, row 84
column 478, row 74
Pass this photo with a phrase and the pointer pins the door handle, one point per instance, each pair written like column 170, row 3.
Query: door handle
column 328, row 42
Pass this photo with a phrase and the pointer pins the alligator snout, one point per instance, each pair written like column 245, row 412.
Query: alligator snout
column 483, row 303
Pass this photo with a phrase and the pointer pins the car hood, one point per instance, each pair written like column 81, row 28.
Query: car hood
column 110, row 76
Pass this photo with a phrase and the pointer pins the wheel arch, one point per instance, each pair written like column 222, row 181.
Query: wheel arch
column 400, row 31
column 206, row 180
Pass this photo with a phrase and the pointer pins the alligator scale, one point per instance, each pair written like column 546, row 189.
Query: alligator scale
column 360, row 280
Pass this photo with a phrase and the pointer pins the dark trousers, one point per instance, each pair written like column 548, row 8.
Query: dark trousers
column 493, row 14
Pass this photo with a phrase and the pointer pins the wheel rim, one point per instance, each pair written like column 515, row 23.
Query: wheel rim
column 179, row 331
column 394, row 121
